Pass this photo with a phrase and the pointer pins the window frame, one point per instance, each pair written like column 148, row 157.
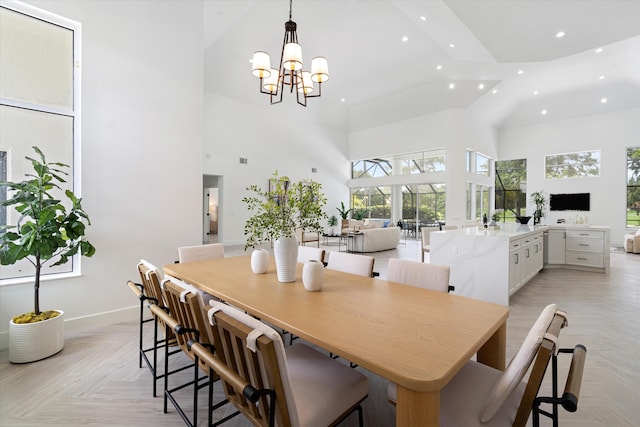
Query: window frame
column 73, row 112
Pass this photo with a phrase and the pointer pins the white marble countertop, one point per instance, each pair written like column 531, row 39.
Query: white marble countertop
column 514, row 231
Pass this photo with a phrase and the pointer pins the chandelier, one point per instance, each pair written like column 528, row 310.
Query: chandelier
column 290, row 72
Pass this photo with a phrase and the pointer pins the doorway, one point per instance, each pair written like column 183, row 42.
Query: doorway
column 211, row 209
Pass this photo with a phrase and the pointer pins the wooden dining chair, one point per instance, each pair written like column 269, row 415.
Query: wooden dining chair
column 200, row 252
column 419, row 274
column 306, row 253
column 150, row 278
column 186, row 306
column 485, row 397
column 271, row 385
column 361, row 265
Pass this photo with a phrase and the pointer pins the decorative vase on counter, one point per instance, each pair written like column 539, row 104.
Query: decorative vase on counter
column 259, row 261
column 285, row 250
column 313, row 275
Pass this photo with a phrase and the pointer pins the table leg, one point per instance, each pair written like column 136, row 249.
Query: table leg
column 417, row 409
column 494, row 352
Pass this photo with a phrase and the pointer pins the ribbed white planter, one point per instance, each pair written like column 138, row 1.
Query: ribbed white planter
column 285, row 250
column 29, row 342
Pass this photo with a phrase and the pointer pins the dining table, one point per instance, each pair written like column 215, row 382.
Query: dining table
column 414, row 337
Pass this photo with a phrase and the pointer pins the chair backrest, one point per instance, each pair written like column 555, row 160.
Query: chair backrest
column 521, row 362
column 306, row 253
column 185, row 305
column 200, row 252
column 419, row 274
column 425, row 234
column 351, row 263
column 255, row 352
column 150, row 277
column 450, row 227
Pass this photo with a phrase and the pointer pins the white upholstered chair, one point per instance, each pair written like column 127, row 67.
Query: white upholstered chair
column 419, row 274
column 425, row 235
column 200, row 252
column 351, row 263
column 632, row 242
column 296, row 386
column 306, row 253
column 485, row 397
column 450, row 227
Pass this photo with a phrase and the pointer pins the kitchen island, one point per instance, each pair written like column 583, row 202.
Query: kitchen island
column 490, row 264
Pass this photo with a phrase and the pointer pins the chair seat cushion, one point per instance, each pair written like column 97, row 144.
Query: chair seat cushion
column 322, row 386
column 464, row 398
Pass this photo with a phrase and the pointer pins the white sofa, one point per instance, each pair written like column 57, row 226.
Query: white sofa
column 375, row 239
column 632, row 242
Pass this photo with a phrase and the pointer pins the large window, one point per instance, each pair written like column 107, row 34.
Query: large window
column 511, row 189
column 39, row 105
column 572, row 165
column 400, row 164
column 633, row 187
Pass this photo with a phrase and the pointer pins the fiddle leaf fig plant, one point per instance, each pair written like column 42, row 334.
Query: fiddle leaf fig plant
column 47, row 229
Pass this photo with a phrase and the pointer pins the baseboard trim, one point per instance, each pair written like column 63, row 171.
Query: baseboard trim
column 87, row 322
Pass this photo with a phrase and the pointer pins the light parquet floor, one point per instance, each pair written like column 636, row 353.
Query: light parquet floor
column 95, row 380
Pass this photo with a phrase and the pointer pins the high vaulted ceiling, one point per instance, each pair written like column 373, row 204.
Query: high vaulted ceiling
column 377, row 78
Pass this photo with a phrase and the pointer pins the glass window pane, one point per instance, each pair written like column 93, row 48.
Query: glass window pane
column 37, row 61
column 633, row 187
column 573, row 165
column 483, row 164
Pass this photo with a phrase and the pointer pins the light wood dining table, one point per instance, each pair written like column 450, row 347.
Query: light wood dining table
column 417, row 338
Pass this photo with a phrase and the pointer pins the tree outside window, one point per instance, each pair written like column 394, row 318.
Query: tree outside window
column 633, row 187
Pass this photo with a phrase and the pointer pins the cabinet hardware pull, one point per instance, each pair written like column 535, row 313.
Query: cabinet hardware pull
column 583, row 244
column 582, row 259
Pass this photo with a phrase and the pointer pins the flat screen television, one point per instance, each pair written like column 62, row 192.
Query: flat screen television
column 570, row 202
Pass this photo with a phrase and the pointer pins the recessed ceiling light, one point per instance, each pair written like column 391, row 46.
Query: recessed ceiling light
column 493, row 92
column 543, row 112
column 520, row 71
column 423, row 18
column 560, row 34
column 599, row 50
column 481, row 86
column 405, row 38
column 535, row 92
column 452, row 85
column 603, row 100
column 452, row 45
column 439, row 67
column 342, row 100
column 602, row 77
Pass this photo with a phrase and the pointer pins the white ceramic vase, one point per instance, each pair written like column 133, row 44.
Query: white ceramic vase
column 29, row 342
column 259, row 261
column 285, row 250
column 313, row 275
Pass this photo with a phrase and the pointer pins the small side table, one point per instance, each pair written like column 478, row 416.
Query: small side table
column 353, row 237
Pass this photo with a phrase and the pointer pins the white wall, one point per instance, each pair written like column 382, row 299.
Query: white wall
column 612, row 133
column 141, row 152
column 273, row 137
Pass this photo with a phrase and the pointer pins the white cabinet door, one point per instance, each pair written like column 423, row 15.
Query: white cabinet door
column 556, row 247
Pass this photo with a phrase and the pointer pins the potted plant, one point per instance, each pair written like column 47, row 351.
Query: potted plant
column 278, row 212
column 540, row 200
column 344, row 214
column 47, row 230
column 333, row 222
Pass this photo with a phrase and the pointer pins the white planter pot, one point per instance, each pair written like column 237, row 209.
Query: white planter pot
column 259, row 261
column 34, row 341
column 285, row 250
column 313, row 275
